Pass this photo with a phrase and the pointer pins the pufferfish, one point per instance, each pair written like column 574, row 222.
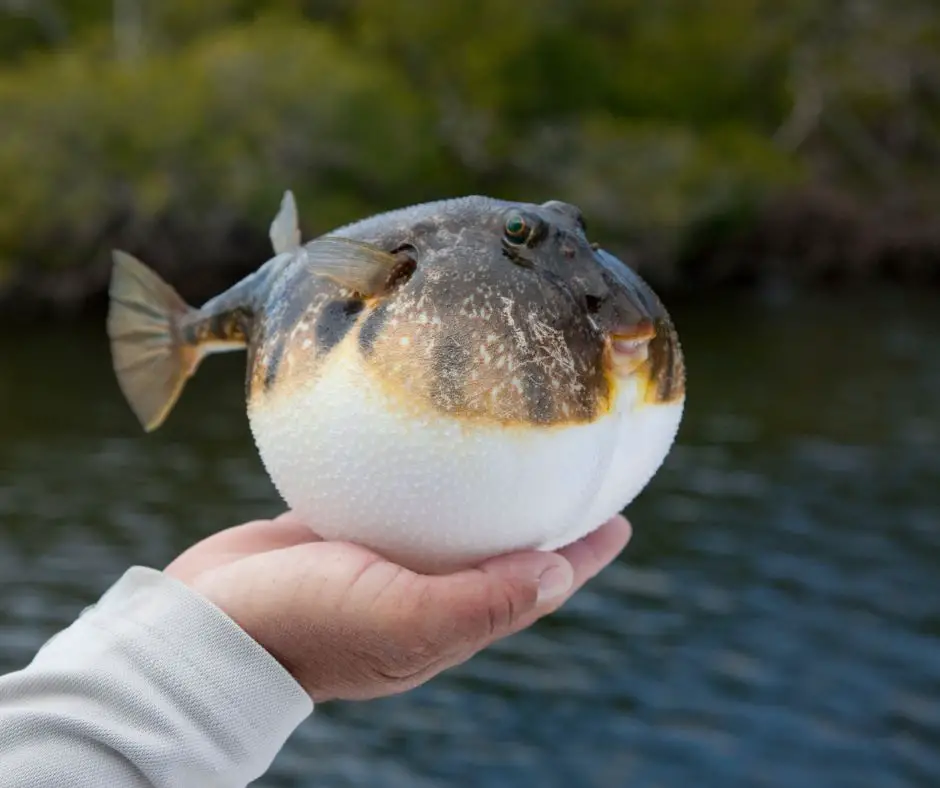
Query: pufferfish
column 440, row 383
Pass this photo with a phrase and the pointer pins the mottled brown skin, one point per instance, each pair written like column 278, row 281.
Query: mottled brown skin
column 666, row 365
column 481, row 329
column 226, row 327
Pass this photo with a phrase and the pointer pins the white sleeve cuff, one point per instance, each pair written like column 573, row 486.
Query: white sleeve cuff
column 208, row 699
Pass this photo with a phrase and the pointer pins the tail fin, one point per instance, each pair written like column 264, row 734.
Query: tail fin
column 151, row 359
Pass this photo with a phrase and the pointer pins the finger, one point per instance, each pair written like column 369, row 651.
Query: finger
column 470, row 608
column 588, row 556
column 507, row 594
column 257, row 536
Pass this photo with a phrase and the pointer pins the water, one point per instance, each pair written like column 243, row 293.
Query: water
column 775, row 622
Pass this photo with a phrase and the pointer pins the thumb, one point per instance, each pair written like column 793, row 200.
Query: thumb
column 489, row 602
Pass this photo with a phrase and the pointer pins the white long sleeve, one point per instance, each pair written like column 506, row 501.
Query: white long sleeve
column 153, row 687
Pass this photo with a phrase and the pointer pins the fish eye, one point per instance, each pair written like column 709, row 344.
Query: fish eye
column 517, row 230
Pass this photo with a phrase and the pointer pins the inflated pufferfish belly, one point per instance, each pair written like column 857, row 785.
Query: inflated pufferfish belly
column 456, row 418
column 352, row 454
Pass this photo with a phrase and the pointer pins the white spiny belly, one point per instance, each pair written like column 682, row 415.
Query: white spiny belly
column 436, row 493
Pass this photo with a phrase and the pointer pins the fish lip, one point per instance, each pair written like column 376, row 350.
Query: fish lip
column 629, row 347
column 641, row 332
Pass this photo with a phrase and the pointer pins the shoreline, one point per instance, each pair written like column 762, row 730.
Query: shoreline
column 805, row 241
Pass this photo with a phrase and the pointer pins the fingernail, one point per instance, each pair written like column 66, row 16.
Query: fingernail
column 554, row 581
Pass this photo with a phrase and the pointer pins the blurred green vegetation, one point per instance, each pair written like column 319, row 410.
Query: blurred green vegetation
column 708, row 141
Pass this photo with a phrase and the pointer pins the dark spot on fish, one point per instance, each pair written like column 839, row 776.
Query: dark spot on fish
column 423, row 228
column 372, row 327
column 229, row 326
column 450, row 364
column 275, row 354
column 334, row 322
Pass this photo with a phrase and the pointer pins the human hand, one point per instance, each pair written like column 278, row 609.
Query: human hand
column 349, row 625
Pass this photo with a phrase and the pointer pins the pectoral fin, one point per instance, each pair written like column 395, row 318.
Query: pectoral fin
column 359, row 267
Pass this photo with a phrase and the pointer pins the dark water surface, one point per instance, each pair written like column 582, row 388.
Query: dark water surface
column 776, row 621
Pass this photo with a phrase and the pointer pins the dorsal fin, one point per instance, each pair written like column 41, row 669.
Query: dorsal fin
column 285, row 229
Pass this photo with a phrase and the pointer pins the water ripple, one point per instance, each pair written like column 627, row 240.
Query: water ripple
column 774, row 623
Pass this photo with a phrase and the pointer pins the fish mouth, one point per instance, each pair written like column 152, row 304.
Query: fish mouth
column 630, row 346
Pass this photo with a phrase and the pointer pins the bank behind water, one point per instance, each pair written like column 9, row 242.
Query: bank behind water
column 710, row 144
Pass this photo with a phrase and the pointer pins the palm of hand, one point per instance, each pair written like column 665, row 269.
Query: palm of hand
column 348, row 624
